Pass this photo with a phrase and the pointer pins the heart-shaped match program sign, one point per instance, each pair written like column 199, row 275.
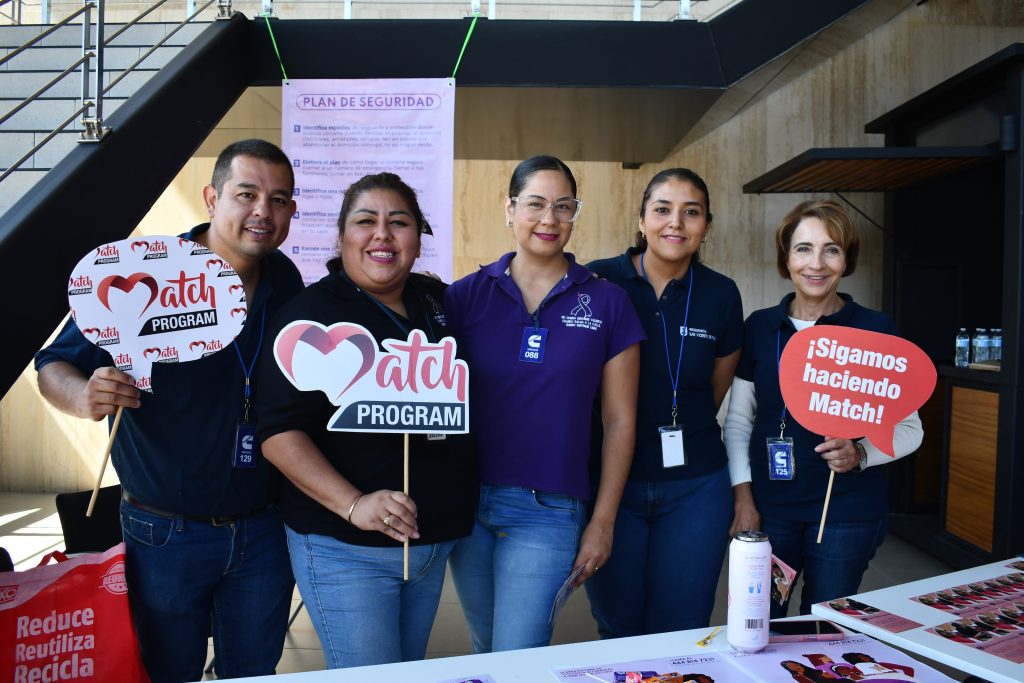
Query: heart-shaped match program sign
column 156, row 299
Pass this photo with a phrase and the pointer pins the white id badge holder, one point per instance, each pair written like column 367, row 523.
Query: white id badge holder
column 672, row 453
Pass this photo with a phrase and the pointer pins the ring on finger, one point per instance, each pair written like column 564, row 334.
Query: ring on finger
column 387, row 521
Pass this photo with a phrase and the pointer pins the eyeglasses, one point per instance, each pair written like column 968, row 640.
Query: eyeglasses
column 534, row 208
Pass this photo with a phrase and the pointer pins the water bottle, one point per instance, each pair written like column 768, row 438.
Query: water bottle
column 963, row 344
column 995, row 345
column 979, row 345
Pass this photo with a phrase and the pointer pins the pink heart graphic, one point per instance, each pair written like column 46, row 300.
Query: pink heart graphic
column 141, row 243
column 325, row 340
column 197, row 345
column 126, row 285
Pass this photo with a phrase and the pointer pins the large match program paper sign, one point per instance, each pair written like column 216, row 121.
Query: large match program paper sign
column 156, row 299
column 846, row 383
column 414, row 386
column 337, row 131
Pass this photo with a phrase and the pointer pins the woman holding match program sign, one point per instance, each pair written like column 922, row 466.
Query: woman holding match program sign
column 345, row 513
column 779, row 470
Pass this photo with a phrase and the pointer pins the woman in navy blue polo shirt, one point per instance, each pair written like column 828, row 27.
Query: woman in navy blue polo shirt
column 671, row 529
column 816, row 245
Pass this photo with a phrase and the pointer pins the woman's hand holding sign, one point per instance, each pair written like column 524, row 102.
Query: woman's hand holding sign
column 841, row 455
column 392, row 513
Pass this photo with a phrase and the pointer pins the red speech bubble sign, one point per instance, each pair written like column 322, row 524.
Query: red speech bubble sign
column 847, row 383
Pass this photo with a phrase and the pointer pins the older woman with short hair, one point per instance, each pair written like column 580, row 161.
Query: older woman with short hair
column 816, row 245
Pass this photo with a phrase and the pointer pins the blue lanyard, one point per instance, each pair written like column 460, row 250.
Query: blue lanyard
column 248, row 371
column 674, row 379
column 778, row 364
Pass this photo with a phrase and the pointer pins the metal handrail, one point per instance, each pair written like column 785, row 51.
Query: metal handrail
column 93, row 126
column 39, row 145
column 85, row 8
column 137, row 20
column 157, row 45
column 46, row 87
column 15, row 15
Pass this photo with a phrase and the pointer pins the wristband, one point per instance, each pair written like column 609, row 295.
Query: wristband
column 352, row 507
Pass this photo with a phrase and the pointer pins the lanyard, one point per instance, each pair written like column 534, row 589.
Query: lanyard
column 431, row 336
column 778, row 363
column 248, row 371
column 674, row 379
column 535, row 316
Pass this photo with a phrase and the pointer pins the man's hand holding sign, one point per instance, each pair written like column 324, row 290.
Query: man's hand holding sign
column 845, row 383
column 149, row 300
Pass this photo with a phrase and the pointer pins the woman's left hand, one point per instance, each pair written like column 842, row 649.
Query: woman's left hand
column 595, row 549
column 839, row 454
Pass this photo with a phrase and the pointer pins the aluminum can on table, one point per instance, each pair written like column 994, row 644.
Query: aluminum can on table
column 750, row 573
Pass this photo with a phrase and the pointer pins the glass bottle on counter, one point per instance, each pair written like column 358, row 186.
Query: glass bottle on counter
column 979, row 345
column 995, row 344
column 963, row 344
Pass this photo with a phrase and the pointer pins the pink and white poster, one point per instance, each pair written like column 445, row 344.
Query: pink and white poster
column 337, row 131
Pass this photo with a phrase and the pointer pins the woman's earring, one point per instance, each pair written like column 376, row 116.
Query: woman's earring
column 509, row 222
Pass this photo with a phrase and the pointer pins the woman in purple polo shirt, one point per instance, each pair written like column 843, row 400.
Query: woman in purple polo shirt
column 678, row 496
column 543, row 336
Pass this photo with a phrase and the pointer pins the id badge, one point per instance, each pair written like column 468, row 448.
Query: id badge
column 672, row 453
column 247, row 445
column 532, row 348
column 781, row 464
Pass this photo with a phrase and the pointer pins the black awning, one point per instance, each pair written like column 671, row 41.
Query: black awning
column 865, row 169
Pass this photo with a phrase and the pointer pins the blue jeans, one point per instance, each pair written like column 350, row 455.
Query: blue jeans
column 183, row 573
column 362, row 609
column 832, row 569
column 508, row 571
column 670, row 541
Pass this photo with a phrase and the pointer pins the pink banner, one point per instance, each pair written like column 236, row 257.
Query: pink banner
column 337, row 131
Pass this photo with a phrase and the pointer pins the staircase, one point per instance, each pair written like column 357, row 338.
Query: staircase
column 30, row 70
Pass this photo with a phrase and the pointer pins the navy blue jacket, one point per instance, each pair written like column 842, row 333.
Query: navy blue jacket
column 715, row 329
column 856, row 496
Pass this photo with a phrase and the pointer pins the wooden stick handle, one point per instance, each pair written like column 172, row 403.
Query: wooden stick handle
column 106, row 458
column 824, row 509
column 405, row 546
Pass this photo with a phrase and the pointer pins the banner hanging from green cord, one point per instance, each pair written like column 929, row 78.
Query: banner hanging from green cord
column 337, row 131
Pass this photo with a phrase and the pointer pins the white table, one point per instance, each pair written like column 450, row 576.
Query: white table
column 532, row 666
column 896, row 599
column 528, row 666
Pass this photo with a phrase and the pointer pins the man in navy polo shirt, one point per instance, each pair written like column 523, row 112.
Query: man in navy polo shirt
column 204, row 544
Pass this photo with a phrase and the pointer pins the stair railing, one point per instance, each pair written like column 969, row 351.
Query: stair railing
column 92, row 70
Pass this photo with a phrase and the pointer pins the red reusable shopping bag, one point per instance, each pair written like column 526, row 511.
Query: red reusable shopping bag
column 69, row 622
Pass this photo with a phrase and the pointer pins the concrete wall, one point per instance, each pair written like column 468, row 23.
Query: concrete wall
column 827, row 105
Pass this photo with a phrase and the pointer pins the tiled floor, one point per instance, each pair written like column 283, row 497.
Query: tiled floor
column 29, row 528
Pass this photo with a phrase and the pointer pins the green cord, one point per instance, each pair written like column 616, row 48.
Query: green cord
column 278, row 52
column 469, row 33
